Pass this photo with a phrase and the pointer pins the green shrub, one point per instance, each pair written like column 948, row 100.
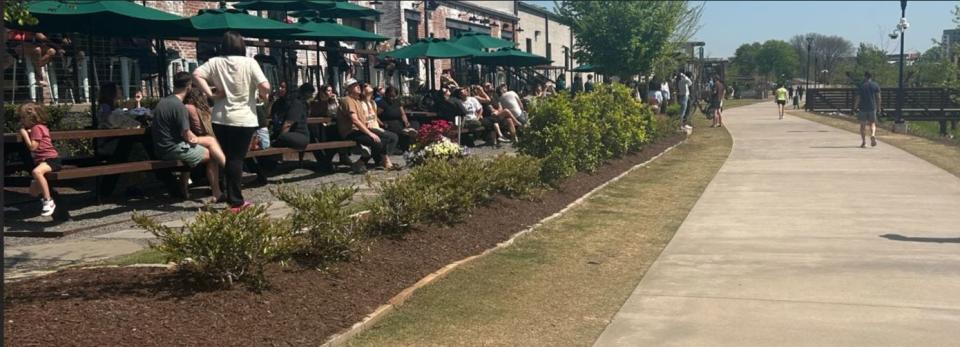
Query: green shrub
column 444, row 191
column 324, row 216
column 399, row 205
column 225, row 247
column 580, row 134
column 514, row 176
column 57, row 116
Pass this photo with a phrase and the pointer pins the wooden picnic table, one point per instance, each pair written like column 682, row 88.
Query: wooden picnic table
column 79, row 134
column 100, row 133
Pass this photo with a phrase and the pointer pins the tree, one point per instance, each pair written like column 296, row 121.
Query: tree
column 776, row 60
column 826, row 52
column 872, row 59
column 15, row 11
column 626, row 38
column 933, row 69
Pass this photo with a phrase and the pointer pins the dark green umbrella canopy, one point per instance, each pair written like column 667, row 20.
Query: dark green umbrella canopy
column 432, row 48
column 481, row 41
column 510, row 57
column 585, row 68
column 339, row 9
column 107, row 18
column 284, row 5
column 215, row 22
column 329, row 31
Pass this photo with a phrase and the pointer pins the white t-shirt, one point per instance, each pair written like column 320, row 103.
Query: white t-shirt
column 473, row 107
column 238, row 77
column 511, row 101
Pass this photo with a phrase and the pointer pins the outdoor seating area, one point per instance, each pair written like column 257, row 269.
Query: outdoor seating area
column 88, row 68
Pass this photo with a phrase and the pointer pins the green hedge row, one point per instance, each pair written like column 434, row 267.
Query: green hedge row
column 579, row 134
column 221, row 247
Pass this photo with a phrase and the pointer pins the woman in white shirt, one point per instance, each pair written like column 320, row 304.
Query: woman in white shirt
column 237, row 79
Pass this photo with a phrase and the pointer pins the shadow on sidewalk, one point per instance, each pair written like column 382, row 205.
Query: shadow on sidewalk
column 898, row 237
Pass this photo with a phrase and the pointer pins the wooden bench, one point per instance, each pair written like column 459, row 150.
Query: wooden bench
column 62, row 213
column 150, row 165
column 107, row 133
column 919, row 104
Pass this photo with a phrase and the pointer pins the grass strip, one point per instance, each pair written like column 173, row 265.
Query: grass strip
column 942, row 154
column 563, row 283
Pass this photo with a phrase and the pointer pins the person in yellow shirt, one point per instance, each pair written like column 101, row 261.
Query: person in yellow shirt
column 781, row 94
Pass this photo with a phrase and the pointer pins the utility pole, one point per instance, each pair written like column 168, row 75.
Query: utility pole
column 903, row 31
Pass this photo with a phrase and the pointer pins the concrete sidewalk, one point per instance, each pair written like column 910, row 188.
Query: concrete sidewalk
column 803, row 238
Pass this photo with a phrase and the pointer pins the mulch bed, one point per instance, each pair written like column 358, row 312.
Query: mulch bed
column 304, row 306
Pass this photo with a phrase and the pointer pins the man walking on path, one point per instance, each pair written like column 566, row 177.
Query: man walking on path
column 866, row 103
column 781, row 99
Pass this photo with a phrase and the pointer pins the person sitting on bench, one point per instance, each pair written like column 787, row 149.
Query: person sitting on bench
column 355, row 123
column 293, row 132
column 36, row 136
column 175, row 141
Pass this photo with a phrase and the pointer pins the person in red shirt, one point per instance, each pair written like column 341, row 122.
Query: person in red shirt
column 36, row 136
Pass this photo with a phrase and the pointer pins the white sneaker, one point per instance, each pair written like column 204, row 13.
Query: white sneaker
column 48, row 207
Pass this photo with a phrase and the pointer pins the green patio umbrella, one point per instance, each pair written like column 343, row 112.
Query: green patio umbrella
column 481, row 41
column 339, row 9
column 213, row 22
column 106, row 18
column 319, row 30
column 432, row 48
column 585, row 68
column 284, row 5
column 510, row 57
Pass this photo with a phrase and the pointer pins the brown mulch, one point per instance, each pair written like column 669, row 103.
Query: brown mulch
column 304, row 306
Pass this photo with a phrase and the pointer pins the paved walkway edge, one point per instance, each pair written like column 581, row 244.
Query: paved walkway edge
column 398, row 300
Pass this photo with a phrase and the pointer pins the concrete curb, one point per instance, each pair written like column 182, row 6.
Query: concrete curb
column 373, row 318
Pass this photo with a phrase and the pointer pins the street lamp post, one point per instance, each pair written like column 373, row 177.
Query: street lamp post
column 902, row 27
column 806, row 75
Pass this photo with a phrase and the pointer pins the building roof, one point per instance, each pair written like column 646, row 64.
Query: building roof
column 540, row 11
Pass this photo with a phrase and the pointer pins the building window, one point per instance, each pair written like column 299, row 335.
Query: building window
column 506, row 35
column 566, row 58
column 549, row 52
column 529, row 45
column 413, row 28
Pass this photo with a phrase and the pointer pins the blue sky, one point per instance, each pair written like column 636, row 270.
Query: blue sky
column 728, row 24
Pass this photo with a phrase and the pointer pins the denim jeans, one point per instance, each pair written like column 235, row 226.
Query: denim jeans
column 684, row 102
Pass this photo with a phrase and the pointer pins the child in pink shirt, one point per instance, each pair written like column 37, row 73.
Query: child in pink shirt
column 36, row 136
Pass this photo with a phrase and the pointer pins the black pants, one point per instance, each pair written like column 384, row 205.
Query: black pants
column 292, row 140
column 235, row 142
column 396, row 127
column 388, row 141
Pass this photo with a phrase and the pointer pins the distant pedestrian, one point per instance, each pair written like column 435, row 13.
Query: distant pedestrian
column 716, row 101
column 800, row 91
column 791, row 91
column 866, row 104
column 781, row 93
column 588, row 86
column 796, row 101
column 683, row 90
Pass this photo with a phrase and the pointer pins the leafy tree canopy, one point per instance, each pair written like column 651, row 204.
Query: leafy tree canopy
column 626, row 38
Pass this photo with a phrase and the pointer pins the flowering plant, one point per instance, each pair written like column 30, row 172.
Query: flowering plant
column 432, row 132
column 442, row 149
